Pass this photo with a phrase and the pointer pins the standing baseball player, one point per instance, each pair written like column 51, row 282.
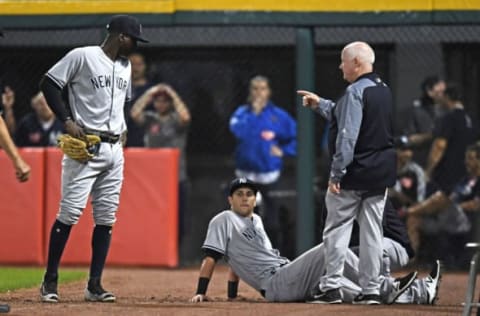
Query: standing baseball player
column 98, row 81
column 363, row 166
column 239, row 236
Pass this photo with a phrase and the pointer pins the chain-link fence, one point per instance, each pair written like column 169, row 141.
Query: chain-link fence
column 210, row 68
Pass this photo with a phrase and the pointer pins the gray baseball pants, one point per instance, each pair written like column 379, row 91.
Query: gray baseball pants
column 343, row 209
column 101, row 178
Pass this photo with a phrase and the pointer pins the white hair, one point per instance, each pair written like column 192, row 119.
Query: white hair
column 360, row 50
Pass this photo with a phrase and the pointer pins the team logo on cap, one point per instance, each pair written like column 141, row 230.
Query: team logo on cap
column 242, row 180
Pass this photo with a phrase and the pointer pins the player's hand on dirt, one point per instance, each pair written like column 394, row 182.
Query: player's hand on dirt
column 199, row 298
column 22, row 170
column 74, row 130
column 309, row 99
column 334, row 187
column 276, row 151
column 8, row 98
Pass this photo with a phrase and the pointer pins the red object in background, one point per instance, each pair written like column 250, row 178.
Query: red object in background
column 22, row 210
column 146, row 232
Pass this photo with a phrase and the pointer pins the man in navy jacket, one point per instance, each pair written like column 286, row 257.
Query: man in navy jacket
column 265, row 134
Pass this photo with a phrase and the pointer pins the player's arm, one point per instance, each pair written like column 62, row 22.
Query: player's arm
column 21, row 168
column 350, row 113
column 320, row 105
column 232, row 288
column 206, row 272
column 53, row 95
column 436, row 153
column 8, row 101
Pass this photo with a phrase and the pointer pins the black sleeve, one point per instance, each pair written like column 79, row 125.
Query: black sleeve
column 444, row 128
column 54, row 97
column 213, row 254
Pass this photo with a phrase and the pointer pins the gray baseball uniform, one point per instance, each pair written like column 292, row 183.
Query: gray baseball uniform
column 363, row 163
column 247, row 249
column 98, row 88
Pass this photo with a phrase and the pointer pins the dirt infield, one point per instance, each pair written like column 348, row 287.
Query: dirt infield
column 165, row 292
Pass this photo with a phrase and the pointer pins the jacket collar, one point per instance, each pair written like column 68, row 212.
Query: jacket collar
column 369, row 75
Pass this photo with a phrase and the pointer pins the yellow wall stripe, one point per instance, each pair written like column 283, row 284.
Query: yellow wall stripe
column 16, row 7
column 305, row 5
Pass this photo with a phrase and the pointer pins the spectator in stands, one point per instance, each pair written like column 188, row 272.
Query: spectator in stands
column 39, row 128
column 452, row 208
column 424, row 112
column 410, row 186
column 140, row 84
column 166, row 127
column 8, row 100
column 265, row 134
column 452, row 134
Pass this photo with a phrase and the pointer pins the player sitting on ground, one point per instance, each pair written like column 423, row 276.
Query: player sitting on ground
column 239, row 236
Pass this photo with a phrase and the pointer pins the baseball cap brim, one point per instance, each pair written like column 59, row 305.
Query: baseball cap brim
column 234, row 187
column 140, row 39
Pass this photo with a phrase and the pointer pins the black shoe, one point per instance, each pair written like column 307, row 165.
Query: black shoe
column 95, row 292
column 329, row 297
column 400, row 285
column 368, row 299
column 48, row 290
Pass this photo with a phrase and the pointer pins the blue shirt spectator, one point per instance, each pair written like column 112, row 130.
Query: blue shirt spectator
column 262, row 138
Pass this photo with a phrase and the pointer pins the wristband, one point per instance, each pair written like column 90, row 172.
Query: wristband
column 202, row 285
column 232, row 289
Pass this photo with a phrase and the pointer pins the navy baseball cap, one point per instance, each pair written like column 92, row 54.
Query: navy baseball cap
column 128, row 25
column 242, row 183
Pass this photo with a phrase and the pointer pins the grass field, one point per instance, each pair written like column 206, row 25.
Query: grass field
column 19, row 278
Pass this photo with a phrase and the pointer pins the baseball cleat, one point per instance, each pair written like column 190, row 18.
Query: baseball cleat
column 329, row 297
column 48, row 292
column 367, row 299
column 432, row 282
column 400, row 285
column 95, row 292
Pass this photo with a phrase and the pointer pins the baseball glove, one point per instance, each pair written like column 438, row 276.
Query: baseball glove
column 79, row 149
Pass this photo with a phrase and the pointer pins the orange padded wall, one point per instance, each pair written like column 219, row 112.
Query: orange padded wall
column 146, row 230
column 22, row 211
